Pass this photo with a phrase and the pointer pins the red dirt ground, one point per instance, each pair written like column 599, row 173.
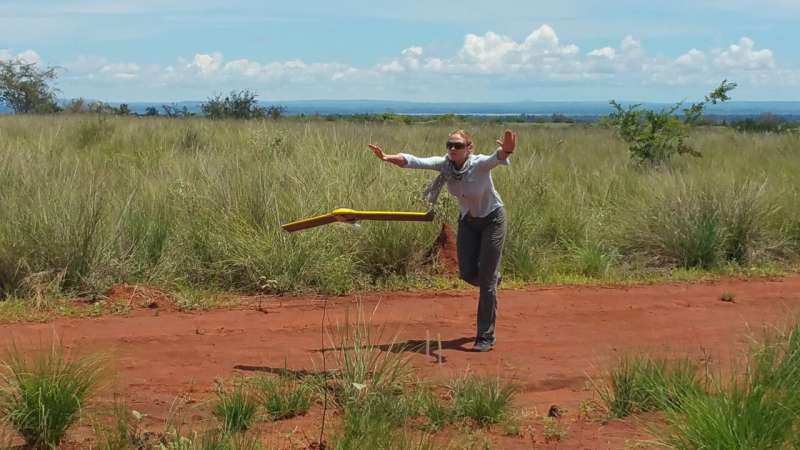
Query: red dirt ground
column 550, row 340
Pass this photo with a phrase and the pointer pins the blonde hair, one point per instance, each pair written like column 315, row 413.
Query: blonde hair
column 463, row 134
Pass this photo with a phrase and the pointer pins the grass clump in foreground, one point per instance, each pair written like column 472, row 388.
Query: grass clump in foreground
column 757, row 408
column 367, row 386
column 481, row 399
column 283, row 397
column 42, row 396
column 236, row 409
column 211, row 440
column 382, row 408
column 641, row 384
column 363, row 365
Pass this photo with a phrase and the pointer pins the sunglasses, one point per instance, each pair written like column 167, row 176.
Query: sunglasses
column 456, row 145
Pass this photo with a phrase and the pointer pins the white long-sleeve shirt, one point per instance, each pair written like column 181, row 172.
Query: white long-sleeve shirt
column 475, row 190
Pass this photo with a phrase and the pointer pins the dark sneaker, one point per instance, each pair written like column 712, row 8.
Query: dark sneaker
column 483, row 346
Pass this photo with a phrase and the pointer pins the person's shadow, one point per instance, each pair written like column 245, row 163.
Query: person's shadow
column 409, row 346
column 427, row 347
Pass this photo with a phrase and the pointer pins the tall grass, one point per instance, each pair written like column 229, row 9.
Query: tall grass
column 42, row 395
column 365, row 365
column 200, row 203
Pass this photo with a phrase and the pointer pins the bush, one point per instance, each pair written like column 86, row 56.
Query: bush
column 24, row 87
column 239, row 105
column 655, row 137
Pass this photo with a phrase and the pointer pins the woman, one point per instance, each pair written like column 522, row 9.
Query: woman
column 482, row 220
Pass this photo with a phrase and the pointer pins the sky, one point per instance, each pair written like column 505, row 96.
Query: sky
column 413, row 50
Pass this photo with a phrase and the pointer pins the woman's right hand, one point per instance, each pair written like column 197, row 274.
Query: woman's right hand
column 397, row 160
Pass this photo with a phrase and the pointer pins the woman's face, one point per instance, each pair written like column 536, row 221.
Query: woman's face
column 458, row 149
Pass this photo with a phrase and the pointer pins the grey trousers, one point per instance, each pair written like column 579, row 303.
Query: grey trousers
column 480, row 245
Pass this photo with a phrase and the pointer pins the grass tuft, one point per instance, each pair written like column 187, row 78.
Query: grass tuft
column 235, row 408
column 42, row 395
column 283, row 397
column 483, row 400
column 643, row 384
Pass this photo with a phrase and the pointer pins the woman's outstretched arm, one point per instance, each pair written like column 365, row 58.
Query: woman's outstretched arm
column 409, row 161
column 398, row 159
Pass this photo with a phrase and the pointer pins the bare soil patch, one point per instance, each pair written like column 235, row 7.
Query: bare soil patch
column 551, row 340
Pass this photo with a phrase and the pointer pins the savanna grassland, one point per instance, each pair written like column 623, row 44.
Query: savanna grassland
column 89, row 201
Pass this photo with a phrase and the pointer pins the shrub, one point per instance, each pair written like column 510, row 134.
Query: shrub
column 655, row 137
column 238, row 105
column 25, row 88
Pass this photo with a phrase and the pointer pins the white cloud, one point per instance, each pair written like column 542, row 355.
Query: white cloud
column 410, row 61
column 125, row 71
column 693, row 59
column 605, row 53
column 541, row 59
column 206, row 64
column 632, row 46
column 412, row 52
column 744, row 56
column 494, row 53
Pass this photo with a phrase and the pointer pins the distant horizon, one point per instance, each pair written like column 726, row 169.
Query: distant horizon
column 432, row 102
column 582, row 110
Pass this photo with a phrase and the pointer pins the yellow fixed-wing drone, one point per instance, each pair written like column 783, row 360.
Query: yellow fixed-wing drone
column 347, row 215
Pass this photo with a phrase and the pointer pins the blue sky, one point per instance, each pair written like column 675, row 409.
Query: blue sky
column 571, row 50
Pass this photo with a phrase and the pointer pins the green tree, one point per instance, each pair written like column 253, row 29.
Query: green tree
column 237, row 105
column 26, row 88
column 654, row 137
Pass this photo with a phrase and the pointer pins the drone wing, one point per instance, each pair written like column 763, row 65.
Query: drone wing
column 350, row 215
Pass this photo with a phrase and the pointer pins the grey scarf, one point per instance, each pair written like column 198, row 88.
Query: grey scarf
column 449, row 172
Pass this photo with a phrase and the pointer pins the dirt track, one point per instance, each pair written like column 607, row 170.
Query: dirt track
column 549, row 341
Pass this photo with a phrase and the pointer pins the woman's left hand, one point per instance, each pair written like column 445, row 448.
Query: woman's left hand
column 508, row 143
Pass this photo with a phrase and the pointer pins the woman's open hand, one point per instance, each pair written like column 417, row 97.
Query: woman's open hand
column 507, row 144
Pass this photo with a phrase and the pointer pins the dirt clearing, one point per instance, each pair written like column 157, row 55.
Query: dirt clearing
column 550, row 341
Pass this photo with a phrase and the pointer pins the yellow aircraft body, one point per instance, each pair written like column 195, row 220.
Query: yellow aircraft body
column 351, row 216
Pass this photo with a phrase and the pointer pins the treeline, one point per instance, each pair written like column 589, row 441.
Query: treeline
column 27, row 89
